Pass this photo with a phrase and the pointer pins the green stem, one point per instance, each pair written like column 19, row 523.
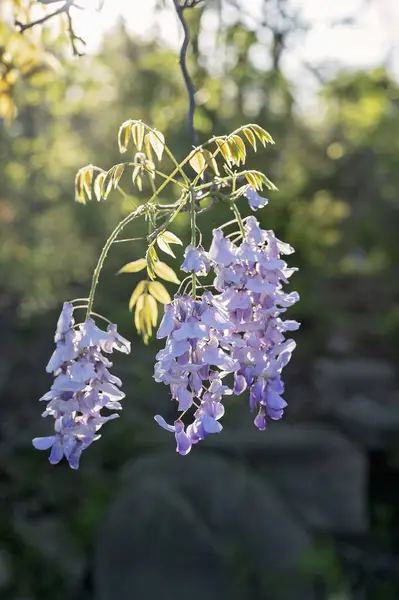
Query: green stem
column 167, row 222
column 134, row 215
column 137, row 213
column 193, row 237
column 238, row 218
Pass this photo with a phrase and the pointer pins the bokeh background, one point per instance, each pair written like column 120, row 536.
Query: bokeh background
column 307, row 510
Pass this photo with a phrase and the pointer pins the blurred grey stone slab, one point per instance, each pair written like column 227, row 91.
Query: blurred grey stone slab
column 198, row 520
column 320, row 473
column 370, row 423
column 352, row 376
column 361, row 395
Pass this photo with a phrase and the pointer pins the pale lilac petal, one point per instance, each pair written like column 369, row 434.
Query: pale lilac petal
column 162, row 423
column 167, row 324
column 185, row 398
column 255, row 201
column 43, row 443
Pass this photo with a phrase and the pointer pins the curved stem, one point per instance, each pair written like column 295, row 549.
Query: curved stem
column 238, row 218
column 186, row 75
column 134, row 215
column 193, row 237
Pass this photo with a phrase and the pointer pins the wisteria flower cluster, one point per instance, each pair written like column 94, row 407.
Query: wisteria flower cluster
column 224, row 339
column 83, row 386
column 237, row 331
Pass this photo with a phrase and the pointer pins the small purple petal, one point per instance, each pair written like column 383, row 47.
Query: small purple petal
column 43, row 443
column 162, row 423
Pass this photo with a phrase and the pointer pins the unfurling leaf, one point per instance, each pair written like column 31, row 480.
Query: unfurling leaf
column 157, row 140
column 123, row 136
column 263, row 180
column 138, row 131
column 134, row 267
column 197, row 162
column 250, row 137
column 211, row 161
column 262, row 134
column 250, row 177
column 83, row 183
column 159, row 291
column 152, row 257
column 138, row 322
column 150, row 312
column 107, row 183
column 118, row 174
column 224, row 150
column 171, row 238
column 165, row 272
column 98, row 184
column 137, row 292
column 79, row 191
column 240, row 147
column 87, row 178
column 164, row 246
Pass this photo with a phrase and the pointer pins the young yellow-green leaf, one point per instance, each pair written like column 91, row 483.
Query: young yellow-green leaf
column 152, row 257
column 137, row 292
column 123, row 136
column 134, row 267
column 263, row 180
column 241, row 150
column 147, row 146
column 157, row 141
column 150, row 310
column 197, row 162
column 171, row 238
column 79, row 192
column 107, row 183
column 262, row 134
column 250, row 177
column 159, row 291
column 118, row 174
column 224, row 148
column 138, row 131
column 211, row 161
column 98, row 183
column 250, row 137
column 87, row 178
column 164, row 246
column 165, row 272
column 234, row 151
column 138, row 321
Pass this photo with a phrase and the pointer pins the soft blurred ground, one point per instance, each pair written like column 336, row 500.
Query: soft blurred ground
column 307, row 510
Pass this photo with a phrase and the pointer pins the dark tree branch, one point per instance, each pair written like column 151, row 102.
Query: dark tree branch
column 73, row 37
column 183, row 64
column 64, row 9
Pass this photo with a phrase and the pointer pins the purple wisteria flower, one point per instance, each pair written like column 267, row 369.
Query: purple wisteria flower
column 196, row 261
column 237, row 331
column 82, row 387
column 251, row 289
column 191, row 363
column 255, row 201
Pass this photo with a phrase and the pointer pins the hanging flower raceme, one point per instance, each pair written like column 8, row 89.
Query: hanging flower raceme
column 191, row 363
column 250, row 278
column 83, row 386
column 238, row 331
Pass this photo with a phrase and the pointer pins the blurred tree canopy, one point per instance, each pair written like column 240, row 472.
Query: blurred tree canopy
column 337, row 201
